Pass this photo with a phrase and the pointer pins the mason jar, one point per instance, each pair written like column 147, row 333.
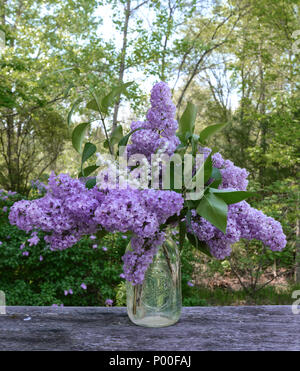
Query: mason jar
column 157, row 301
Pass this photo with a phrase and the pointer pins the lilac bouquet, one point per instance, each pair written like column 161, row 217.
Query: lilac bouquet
column 73, row 208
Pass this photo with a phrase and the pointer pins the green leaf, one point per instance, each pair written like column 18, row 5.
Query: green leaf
column 214, row 209
column 95, row 103
column 209, row 131
column 207, row 169
column 70, row 114
column 181, row 149
column 108, row 100
column 116, row 135
column 78, row 135
column 217, row 176
column 231, row 197
column 200, row 245
column 194, row 146
column 88, row 151
column 187, row 122
column 92, row 105
column 124, row 141
column 90, row 183
column 88, row 171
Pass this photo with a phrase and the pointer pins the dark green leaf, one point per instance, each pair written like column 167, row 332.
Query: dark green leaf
column 116, row 135
column 209, row 131
column 88, row 151
column 124, row 141
column 214, row 209
column 217, row 176
column 207, row 169
column 78, row 135
column 88, row 171
column 187, row 122
column 90, row 183
column 231, row 197
column 181, row 149
column 108, row 100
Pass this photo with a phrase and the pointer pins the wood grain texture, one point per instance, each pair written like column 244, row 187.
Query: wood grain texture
column 200, row 328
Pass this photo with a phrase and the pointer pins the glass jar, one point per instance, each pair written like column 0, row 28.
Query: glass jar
column 157, row 301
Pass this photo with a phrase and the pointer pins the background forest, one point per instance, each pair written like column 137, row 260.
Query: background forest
column 238, row 61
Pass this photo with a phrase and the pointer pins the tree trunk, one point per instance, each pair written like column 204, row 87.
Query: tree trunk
column 263, row 119
column 2, row 12
column 297, row 258
column 122, row 62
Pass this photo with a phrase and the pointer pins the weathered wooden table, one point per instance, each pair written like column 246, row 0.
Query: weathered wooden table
column 200, row 328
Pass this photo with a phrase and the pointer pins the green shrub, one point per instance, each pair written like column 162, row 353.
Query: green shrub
column 28, row 281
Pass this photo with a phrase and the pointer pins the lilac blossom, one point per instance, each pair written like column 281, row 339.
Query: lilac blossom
column 243, row 222
column 160, row 128
column 140, row 256
column 34, row 240
column 109, row 302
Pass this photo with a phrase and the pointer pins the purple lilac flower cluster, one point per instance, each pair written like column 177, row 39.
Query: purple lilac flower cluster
column 138, row 211
column 65, row 212
column 232, row 176
column 137, row 259
column 159, row 130
column 243, row 221
column 69, row 211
